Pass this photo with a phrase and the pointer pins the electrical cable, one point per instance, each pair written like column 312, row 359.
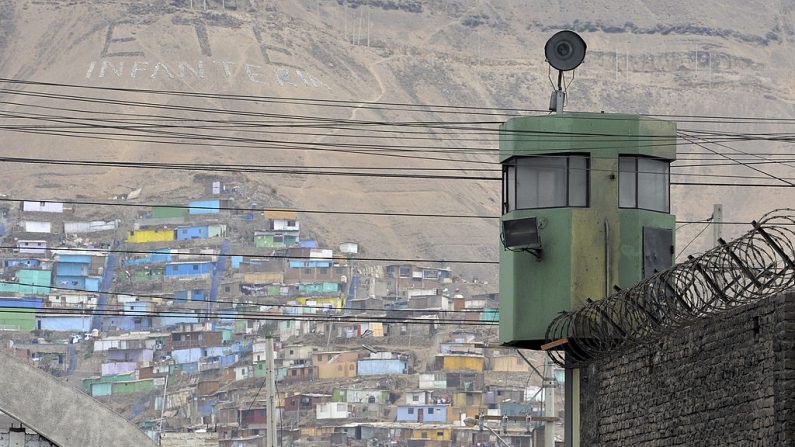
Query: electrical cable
column 232, row 302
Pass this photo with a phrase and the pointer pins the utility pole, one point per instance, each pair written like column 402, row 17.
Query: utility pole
column 163, row 408
column 549, row 386
column 717, row 223
column 270, row 402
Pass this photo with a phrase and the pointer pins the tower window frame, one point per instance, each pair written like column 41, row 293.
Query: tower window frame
column 635, row 175
column 572, row 191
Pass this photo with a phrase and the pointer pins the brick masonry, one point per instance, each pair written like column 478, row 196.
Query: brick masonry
column 727, row 381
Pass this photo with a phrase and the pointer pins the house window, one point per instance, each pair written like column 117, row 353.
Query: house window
column 430, row 410
column 307, row 271
column 424, row 435
column 323, row 270
column 545, row 182
column 440, row 434
column 405, row 272
column 184, row 231
column 411, row 411
column 195, row 267
column 415, row 398
column 644, row 183
column 290, row 223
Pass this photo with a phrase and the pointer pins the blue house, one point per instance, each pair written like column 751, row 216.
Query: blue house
column 373, row 367
column 182, row 296
column 205, row 207
column 178, row 317
column 89, row 283
column 22, row 263
column 160, row 255
column 186, row 233
column 26, row 302
column 422, row 413
column 77, row 323
column 190, row 268
column 71, row 269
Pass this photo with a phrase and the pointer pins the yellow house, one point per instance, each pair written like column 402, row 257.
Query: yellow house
column 459, row 361
column 332, row 302
column 139, row 236
column 280, row 214
column 432, row 433
column 508, row 363
column 335, row 365
column 263, row 278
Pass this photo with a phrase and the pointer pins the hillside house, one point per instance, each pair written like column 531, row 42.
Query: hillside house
column 452, row 362
column 291, row 354
column 43, row 207
column 422, row 413
column 29, row 282
column 151, row 235
column 189, row 232
column 32, row 226
column 507, row 363
column 334, row 365
column 305, row 401
column 31, row 246
column 332, row 410
column 89, row 227
column 382, row 363
column 433, row 381
column 188, row 268
column 367, row 396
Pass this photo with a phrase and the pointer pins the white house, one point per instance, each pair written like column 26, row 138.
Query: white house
column 31, row 226
column 43, row 207
column 332, row 410
column 28, row 246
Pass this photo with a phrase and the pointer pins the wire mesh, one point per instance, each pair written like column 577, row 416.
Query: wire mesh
column 757, row 265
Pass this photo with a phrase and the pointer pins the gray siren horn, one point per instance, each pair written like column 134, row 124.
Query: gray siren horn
column 565, row 50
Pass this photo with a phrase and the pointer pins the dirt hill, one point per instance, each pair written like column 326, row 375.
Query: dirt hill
column 710, row 57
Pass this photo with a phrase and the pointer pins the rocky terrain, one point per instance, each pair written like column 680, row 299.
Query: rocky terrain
column 727, row 58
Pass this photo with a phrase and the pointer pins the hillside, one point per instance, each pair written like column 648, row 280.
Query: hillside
column 704, row 58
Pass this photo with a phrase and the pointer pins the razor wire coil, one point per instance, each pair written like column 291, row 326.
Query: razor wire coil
column 757, row 265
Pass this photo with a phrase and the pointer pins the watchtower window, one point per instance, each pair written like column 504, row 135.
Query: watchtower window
column 644, row 183
column 545, row 182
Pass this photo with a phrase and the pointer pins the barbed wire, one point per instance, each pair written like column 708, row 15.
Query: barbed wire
column 758, row 265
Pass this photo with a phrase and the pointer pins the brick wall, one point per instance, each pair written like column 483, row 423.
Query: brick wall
column 728, row 381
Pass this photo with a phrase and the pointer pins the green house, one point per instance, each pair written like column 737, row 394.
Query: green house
column 274, row 240
column 168, row 212
column 29, row 282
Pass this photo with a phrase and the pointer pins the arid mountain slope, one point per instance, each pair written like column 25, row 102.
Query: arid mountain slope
column 697, row 58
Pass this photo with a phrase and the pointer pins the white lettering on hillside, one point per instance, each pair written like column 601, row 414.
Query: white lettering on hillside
column 219, row 70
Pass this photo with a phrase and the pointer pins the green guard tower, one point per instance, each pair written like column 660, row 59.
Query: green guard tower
column 585, row 208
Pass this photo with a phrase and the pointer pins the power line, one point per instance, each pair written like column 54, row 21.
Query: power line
column 362, row 104
column 257, row 209
column 694, row 238
column 246, row 316
column 232, row 302
column 257, row 256
column 744, row 164
column 297, row 210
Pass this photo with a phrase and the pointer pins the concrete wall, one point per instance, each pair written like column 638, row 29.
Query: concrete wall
column 57, row 411
column 728, row 381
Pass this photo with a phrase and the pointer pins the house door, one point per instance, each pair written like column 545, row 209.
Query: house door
column 420, row 415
